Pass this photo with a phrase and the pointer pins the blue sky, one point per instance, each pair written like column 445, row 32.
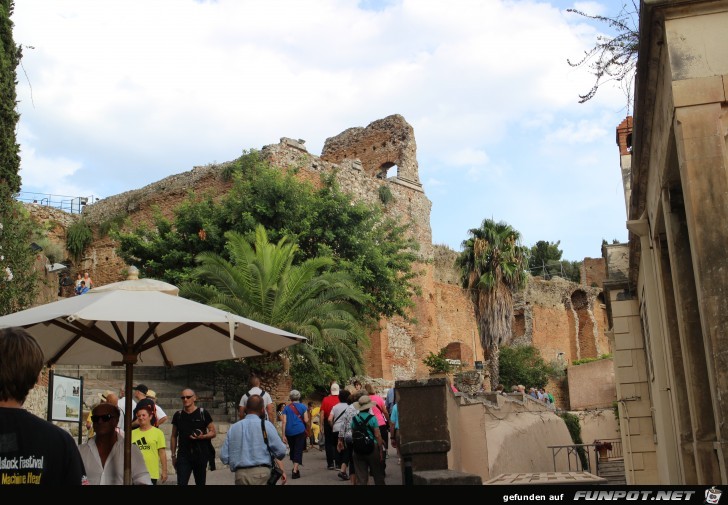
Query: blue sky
column 116, row 95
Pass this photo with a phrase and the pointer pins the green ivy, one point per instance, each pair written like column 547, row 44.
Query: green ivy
column 78, row 238
column 574, row 427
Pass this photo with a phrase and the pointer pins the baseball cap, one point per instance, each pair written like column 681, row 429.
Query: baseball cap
column 334, row 389
column 141, row 388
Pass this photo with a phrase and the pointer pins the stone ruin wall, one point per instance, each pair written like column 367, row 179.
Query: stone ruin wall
column 443, row 315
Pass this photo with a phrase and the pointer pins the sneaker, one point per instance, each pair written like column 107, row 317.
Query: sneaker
column 343, row 476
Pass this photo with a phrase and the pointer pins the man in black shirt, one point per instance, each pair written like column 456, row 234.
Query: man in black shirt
column 192, row 431
column 32, row 450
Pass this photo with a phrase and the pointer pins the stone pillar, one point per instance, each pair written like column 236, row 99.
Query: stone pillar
column 424, row 432
column 701, row 146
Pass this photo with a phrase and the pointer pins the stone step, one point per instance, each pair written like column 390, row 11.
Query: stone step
column 613, row 471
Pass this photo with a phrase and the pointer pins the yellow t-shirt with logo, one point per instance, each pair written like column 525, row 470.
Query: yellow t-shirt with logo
column 149, row 442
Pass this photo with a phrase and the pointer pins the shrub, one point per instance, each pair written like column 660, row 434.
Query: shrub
column 385, row 194
column 437, row 363
column 78, row 238
column 523, row 364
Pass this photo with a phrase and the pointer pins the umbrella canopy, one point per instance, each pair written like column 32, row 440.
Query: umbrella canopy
column 142, row 322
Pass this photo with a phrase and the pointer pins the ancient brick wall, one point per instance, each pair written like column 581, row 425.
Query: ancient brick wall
column 442, row 316
column 381, row 145
column 593, row 272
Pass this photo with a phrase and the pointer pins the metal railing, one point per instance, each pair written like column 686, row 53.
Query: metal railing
column 584, row 457
column 579, row 457
column 70, row 204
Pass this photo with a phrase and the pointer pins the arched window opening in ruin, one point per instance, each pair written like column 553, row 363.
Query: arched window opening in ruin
column 387, row 170
column 453, row 350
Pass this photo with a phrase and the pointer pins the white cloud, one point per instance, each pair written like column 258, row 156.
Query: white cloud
column 127, row 93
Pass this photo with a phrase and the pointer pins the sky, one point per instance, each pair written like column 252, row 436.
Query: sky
column 115, row 95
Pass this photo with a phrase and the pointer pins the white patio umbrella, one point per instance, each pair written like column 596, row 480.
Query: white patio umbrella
column 142, row 322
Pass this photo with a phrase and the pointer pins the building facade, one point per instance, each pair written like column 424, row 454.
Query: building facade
column 667, row 289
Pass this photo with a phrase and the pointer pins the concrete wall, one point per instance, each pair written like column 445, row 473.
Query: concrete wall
column 517, row 433
column 597, row 424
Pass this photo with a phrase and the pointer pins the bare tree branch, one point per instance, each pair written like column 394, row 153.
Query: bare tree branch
column 612, row 58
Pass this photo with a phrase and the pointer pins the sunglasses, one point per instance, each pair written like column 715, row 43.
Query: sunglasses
column 103, row 417
column 185, row 397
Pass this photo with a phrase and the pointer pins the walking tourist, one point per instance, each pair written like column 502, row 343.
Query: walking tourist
column 190, row 444
column 252, row 446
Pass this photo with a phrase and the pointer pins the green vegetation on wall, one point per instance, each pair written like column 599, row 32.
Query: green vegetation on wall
column 589, row 360
column 78, row 238
column 574, row 427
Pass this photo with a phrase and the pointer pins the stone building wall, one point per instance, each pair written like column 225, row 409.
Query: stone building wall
column 443, row 315
column 593, row 272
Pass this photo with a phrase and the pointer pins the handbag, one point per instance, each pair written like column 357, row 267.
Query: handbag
column 306, row 426
column 275, row 471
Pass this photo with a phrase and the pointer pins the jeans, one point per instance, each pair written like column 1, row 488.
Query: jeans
column 187, row 466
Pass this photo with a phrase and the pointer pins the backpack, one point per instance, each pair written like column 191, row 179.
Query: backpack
column 362, row 440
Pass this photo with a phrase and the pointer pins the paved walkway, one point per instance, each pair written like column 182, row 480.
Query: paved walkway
column 313, row 472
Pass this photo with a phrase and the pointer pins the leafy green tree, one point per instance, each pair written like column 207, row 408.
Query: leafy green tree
column 18, row 280
column 613, row 57
column 545, row 260
column 10, row 55
column 523, row 364
column 493, row 267
column 376, row 251
column 261, row 282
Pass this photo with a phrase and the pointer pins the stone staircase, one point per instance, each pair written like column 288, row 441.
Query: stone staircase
column 168, row 384
column 613, row 471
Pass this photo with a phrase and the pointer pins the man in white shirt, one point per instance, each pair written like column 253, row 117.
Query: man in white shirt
column 122, row 404
column 103, row 454
column 255, row 389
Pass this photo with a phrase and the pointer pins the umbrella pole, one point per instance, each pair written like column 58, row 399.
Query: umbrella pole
column 127, row 423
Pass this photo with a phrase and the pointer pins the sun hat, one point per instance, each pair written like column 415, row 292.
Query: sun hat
column 151, row 394
column 105, row 394
column 334, row 389
column 364, row 403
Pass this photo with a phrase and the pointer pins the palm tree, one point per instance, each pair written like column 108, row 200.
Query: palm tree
column 492, row 267
column 262, row 283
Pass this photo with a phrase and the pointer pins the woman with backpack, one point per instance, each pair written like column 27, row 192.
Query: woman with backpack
column 368, row 444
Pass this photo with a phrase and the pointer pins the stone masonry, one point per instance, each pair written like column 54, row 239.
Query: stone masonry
column 556, row 316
